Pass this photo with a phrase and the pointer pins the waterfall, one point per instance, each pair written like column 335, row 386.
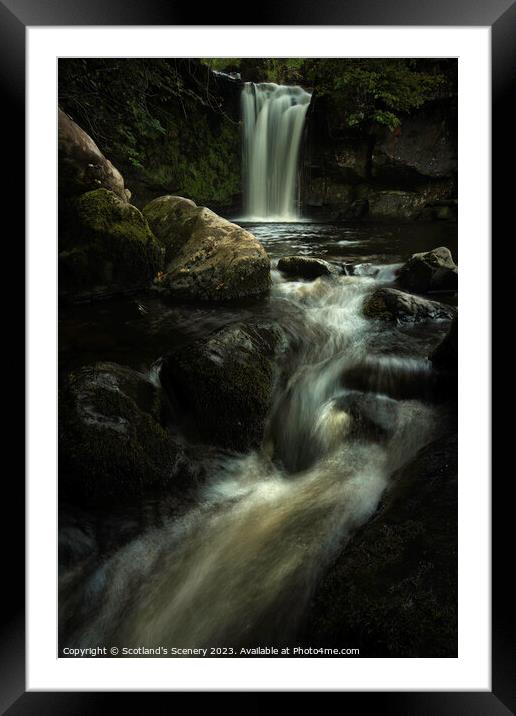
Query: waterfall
column 273, row 119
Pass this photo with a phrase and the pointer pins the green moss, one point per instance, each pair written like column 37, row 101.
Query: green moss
column 199, row 159
column 110, row 449
column 172, row 220
column 113, row 242
column 102, row 212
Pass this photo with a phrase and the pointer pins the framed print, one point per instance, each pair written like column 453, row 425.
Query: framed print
column 256, row 429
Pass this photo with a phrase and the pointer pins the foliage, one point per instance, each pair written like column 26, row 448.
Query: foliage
column 374, row 90
column 366, row 91
column 161, row 121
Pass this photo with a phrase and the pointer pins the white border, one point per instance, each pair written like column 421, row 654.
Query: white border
column 471, row 670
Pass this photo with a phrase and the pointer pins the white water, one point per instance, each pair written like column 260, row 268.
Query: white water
column 273, row 121
column 239, row 568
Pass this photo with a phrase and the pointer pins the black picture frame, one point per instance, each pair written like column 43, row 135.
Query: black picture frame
column 15, row 17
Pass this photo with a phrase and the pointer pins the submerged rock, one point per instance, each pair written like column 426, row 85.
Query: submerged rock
column 392, row 590
column 430, row 271
column 82, row 166
column 106, row 246
column 224, row 382
column 111, row 444
column 390, row 304
column 209, row 258
column 306, row 267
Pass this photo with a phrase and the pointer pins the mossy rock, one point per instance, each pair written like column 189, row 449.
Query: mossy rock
column 224, row 383
column 211, row 259
column 111, row 445
column 172, row 220
column 106, row 245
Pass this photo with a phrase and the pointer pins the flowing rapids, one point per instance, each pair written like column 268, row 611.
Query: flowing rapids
column 273, row 121
column 239, row 568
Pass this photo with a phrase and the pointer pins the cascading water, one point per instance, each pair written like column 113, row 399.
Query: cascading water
column 273, row 121
column 238, row 569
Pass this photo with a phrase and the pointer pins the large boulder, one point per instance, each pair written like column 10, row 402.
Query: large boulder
column 223, row 383
column 429, row 271
column 211, row 259
column 306, row 267
column 392, row 589
column 82, row 166
column 390, row 304
column 106, row 246
column 112, row 446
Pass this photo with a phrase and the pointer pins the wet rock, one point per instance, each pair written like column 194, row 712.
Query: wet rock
column 392, row 590
column 223, row 383
column 106, row 246
column 430, row 271
column 363, row 270
column 390, row 304
column 372, row 417
column 82, row 166
column 306, row 267
column 209, row 258
column 112, row 446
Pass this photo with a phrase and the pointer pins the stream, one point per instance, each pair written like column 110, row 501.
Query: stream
column 237, row 565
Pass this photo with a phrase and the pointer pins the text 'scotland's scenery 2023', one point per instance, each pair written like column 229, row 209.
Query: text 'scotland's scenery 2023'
column 258, row 357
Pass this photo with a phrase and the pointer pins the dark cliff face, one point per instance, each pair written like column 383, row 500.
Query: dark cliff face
column 406, row 173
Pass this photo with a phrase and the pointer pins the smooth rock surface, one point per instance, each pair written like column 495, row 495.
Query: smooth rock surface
column 306, row 267
column 82, row 166
column 209, row 258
